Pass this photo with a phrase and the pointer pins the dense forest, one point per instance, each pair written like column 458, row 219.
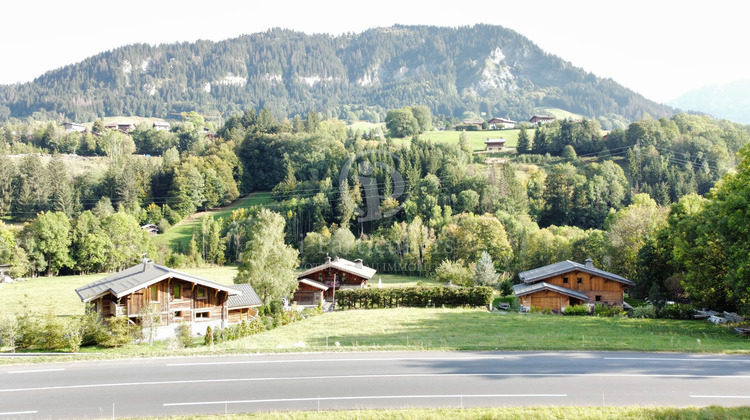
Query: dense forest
column 480, row 70
column 662, row 202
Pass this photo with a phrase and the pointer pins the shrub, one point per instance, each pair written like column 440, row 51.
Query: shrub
column 184, row 334
column 607, row 311
column 208, row 339
column 677, row 311
column 576, row 310
column 648, row 311
column 120, row 332
column 419, row 297
column 453, row 272
column 92, row 331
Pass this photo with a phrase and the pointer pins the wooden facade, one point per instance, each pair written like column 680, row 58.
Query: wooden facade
column 596, row 288
column 176, row 299
column 567, row 283
column 322, row 281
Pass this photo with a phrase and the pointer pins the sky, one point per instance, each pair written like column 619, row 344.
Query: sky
column 659, row 48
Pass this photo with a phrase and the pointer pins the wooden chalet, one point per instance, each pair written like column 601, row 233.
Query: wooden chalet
column 541, row 119
column 498, row 123
column 179, row 296
column 318, row 283
column 494, row 145
column 71, row 127
column 568, row 283
column 244, row 306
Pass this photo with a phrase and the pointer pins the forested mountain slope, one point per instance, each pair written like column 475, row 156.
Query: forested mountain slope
column 488, row 70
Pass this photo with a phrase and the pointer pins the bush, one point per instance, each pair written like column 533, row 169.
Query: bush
column 415, row 297
column 208, row 339
column 576, row 310
column 93, row 333
column 184, row 334
column 120, row 332
column 648, row 311
column 607, row 311
column 677, row 311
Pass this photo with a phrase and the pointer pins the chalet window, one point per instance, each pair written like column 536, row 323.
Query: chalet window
column 202, row 315
column 177, row 291
column 178, row 314
column 565, row 280
column 154, row 293
column 598, row 298
column 580, row 280
column 201, row 293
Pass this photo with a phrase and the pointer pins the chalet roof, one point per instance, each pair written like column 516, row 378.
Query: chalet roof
column 503, row 120
column 350, row 267
column 248, row 298
column 541, row 273
column 493, row 141
column 525, row 289
column 314, row 283
column 139, row 276
column 543, row 117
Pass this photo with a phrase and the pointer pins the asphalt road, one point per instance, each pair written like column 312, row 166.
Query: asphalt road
column 210, row 385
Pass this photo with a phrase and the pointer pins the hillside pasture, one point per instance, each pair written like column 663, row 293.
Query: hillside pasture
column 179, row 235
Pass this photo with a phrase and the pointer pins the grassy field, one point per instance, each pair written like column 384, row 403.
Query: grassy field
column 476, row 138
column 179, row 235
column 478, row 329
column 57, row 294
column 511, row 413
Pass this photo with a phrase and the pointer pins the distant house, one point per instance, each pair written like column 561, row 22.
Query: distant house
column 151, row 228
column 568, row 283
column 209, row 134
column 320, row 282
column 161, row 126
column 498, row 123
column 494, row 145
column 180, row 297
column 110, row 126
column 478, row 123
column 125, row 126
column 541, row 119
column 74, row 127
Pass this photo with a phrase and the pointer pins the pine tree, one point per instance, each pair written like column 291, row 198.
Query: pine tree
column 484, row 271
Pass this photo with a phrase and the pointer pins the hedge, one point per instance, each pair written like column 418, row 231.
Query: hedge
column 413, row 297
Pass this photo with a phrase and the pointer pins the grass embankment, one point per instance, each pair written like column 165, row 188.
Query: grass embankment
column 521, row 413
column 476, row 138
column 477, row 329
column 179, row 235
column 453, row 329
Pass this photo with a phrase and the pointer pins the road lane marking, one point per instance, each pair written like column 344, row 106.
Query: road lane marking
column 36, row 371
column 365, row 397
column 15, row 413
column 660, row 359
column 722, row 396
column 382, row 359
column 375, row 376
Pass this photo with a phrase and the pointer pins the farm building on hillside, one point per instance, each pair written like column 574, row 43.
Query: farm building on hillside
column 180, row 297
column 71, row 127
column 319, row 283
column 568, row 283
column 541, row 119
column 494, row 145
column 161, row 126
column 498, row 123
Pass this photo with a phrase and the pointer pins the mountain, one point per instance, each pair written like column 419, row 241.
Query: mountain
column 482, row 69
column 729, row 100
